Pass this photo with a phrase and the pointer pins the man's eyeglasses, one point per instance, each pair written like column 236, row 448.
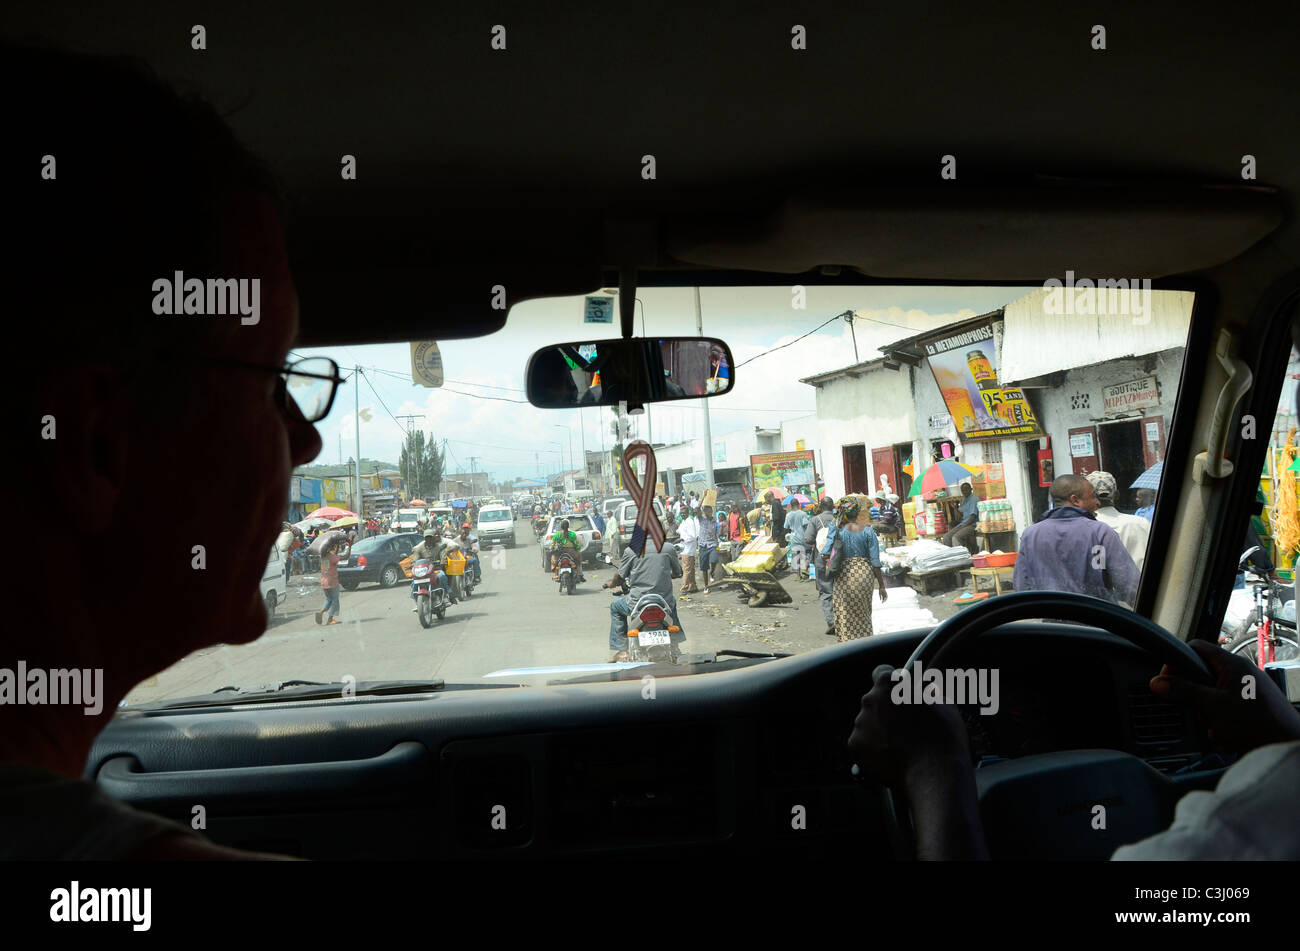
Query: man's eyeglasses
column 312, row 382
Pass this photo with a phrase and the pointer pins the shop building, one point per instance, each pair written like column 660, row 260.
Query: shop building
column 866, row 426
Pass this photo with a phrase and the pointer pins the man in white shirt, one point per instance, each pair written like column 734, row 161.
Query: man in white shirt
column 1132, row 530
column 688, row 533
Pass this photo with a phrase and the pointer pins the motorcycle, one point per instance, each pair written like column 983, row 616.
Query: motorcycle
column 459, row 573
column 566, row 564
column 430, row 599
column 650, row 626
column 539, row 525
column 1268, row 633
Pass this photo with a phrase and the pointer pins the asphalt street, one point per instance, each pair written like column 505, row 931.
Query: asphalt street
column 515, row 618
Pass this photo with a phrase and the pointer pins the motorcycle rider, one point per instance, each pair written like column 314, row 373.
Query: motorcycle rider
column 651, row 573
column 468, row 542
column 434, row 549
column 566, row 539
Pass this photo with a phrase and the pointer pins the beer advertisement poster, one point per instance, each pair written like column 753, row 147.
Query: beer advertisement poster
column 965, row 368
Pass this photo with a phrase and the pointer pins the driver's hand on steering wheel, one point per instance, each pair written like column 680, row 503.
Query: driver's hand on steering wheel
column 1235, row 719
column 903, row 745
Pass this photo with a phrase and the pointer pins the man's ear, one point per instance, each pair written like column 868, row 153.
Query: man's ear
column 88, row 455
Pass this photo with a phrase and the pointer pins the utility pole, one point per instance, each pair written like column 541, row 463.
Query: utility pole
column 473, row 461
column 356, row 420
column 708, row 431
column 848, row 318
column 582, row 428
column 442, row 473
column 419, row 462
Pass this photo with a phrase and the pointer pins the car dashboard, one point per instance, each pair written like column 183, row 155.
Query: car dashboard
column 743, row 761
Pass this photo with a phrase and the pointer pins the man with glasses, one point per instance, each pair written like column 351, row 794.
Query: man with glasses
column 127, row 395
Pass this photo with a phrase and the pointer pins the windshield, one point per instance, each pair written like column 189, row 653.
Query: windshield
column 987, row 438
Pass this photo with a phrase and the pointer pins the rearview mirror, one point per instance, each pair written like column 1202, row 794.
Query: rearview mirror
column 638, row 371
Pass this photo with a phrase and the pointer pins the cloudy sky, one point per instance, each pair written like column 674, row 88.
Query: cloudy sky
column 482, row 411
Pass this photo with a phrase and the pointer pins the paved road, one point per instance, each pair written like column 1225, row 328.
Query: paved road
column 516, row 618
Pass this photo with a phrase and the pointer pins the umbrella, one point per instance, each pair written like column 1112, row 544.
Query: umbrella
column 941, row 475
column 417, row 502
column 331, row 512
column 347, row 521
column 1149, row 479
column 801, row 498
column 777, row 492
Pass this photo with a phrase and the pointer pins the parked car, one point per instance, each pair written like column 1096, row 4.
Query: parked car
column 496, row 525
column 734, row 492
column 377, row 559
column 274, row 588
column 582, row 526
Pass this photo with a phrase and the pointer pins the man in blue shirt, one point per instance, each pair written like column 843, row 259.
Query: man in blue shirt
column 963, row 533
column 1146, row 499
column 1070, row 550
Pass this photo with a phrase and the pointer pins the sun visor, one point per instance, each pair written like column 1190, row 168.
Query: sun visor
column 969, row 234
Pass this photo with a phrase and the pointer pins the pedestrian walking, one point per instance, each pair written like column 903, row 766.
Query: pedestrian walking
column 689, row 535
column 1070, row 550
column 853, row 553
column 814, row 534
column 776, row 517
column 708, row 542
column 1132, row 530
column 795, row 523
column 329, row 582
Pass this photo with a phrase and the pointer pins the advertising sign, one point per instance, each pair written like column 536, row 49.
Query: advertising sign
column 965, row 368
column 782, row 470
column 1126, row 397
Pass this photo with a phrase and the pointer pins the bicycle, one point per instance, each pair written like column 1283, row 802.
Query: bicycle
column 1264, row 635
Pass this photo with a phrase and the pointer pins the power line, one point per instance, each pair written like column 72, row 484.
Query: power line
column 791, row 343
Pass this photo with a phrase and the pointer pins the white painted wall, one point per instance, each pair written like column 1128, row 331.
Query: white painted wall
column 871, row 409
column 1060, row 409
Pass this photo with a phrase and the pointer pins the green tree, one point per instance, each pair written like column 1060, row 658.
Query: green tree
column 421, row 466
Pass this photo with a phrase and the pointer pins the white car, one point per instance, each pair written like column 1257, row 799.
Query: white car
column 626, row 518
column 496, row 525
column 582, row 526
column 406, row 520
column 274, row 588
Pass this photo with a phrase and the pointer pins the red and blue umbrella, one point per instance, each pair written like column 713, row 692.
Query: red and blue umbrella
column 942, row 475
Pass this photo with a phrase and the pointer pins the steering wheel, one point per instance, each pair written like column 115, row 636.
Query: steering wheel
column 1042, row 804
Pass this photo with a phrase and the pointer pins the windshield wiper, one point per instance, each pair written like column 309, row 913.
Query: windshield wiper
column 308, row 690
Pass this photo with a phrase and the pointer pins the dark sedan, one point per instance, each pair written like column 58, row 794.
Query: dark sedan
column 377, row 559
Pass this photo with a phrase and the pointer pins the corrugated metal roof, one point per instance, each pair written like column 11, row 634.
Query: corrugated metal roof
column 1037, row 341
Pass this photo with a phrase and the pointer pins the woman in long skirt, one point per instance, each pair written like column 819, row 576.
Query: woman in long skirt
column 859, row 574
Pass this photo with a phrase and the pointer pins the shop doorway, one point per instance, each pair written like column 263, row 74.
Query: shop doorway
column 1039, row 495
column 903, row 452
column 1123, row 457
column 855, row 469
